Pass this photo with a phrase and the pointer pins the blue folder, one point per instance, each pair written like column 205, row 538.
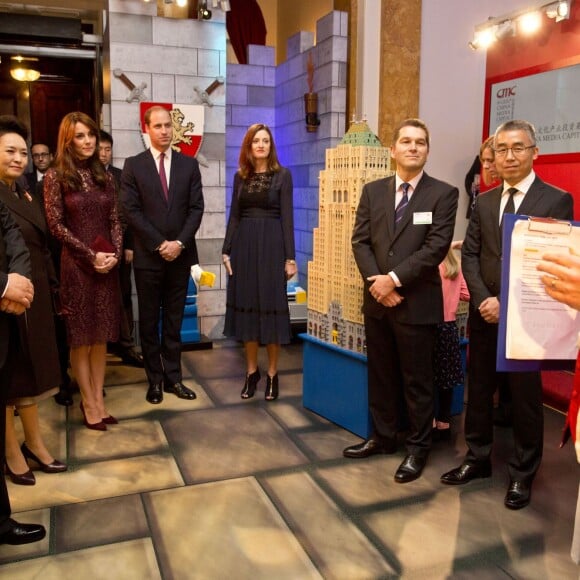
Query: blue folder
column 503, row 363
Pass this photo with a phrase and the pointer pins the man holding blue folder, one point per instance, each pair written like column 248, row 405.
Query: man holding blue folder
column 524, row 193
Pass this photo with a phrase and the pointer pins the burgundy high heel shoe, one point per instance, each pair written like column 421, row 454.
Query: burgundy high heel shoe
column 100, row 426
column 110, row 420
column 26, row 478
column 54, row 467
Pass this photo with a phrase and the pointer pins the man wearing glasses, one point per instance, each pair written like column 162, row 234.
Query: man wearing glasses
column 41, row 160
column 524, row 193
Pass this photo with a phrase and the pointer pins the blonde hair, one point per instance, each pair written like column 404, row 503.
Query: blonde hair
column 451, row 265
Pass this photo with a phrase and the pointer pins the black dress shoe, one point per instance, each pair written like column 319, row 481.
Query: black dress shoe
column 369, row 447
column 518, row 495
column 180, row 390
column 466, row 472
column 410, row 469
column 19, row 534
column 155, row 393
column 132, row 358
column 64, row 397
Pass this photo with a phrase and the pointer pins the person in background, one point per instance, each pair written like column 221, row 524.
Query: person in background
column 561, row 281
column 258, row 254
column 81, row 211
column 482, row 175
column 41, row 160
column 163, row 200
column 403, row 229
column 125, row 346
column 17, row 294
column 524, row 193
column 448, row 365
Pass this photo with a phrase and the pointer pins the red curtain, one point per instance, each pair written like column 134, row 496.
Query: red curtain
column 245, row 25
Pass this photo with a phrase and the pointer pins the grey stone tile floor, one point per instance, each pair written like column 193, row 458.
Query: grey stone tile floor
column 225, row 488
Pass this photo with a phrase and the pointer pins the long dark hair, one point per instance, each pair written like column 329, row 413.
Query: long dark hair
column 246, row 161
column 66, row 162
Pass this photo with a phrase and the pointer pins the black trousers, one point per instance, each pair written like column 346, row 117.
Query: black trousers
column 526, row 394
column 161, row 295
column 400, row 364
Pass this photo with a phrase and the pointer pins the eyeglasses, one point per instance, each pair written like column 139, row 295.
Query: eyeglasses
column 517, row 150
column 40, row 155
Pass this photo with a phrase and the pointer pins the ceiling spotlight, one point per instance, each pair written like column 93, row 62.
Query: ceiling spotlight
column 182, row 3
column 559, row 11
column 204, row 12
column 505, row 30
column 530, row 22
column 483, row 38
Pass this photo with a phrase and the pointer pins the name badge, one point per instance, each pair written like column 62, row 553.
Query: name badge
column 422, row 218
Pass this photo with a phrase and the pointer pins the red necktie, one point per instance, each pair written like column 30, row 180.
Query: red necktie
column 163, row 176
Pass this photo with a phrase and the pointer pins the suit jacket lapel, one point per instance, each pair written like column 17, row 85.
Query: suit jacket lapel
column 29, row 210
column 531, row 197
column 389, row 207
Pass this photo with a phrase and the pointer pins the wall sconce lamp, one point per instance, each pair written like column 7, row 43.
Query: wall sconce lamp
column 204, row 13
column 525, row 22
column 23, row 73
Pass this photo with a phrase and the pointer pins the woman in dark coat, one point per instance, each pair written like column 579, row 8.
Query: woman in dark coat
column 36, row 370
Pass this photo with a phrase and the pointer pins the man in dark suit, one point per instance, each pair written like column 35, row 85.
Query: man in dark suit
column 403, row 229
column 162, row 196
column 16, row 294
column 125, row 346
column 523, row 193
column 41, row 160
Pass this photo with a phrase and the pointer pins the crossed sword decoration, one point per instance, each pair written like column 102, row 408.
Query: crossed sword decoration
column 137, row 93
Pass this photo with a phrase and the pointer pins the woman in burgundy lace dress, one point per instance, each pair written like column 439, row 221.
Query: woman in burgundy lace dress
column 81, row 212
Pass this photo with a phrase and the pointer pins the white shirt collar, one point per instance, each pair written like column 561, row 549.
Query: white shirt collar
column 414, row 182
column 523, row 185
column 156, row 153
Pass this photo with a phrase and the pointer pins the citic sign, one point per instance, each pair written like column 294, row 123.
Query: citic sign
column 506, row 92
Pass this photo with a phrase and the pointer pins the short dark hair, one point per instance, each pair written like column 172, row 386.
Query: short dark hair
column 36, row 143
column 10, row 124
column 106, row 137
column 412, row 122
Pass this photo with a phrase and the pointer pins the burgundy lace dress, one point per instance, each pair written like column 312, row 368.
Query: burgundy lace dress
column 90, row 300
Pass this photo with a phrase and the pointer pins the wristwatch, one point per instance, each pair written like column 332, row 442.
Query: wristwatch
column 180, row 244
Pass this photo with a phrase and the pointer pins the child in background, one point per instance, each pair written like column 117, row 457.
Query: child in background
column 448, row 367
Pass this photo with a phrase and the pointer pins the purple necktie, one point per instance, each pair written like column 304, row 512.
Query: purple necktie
column 163, row 176
column 400, row 210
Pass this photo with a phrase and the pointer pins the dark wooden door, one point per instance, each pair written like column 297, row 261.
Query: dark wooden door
column 50, row 102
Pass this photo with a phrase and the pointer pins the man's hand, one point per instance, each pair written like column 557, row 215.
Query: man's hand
column 20, row 290
column 392, row 299
column 489, row 310
column 11, row 307
column 562, row 278
column 383, row 290
column 170, row 250
column 128, row 256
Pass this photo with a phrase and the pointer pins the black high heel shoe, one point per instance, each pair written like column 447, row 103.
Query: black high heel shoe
column 54, row 467
column 271, row 388
column 26, row 478
column 250, row 384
